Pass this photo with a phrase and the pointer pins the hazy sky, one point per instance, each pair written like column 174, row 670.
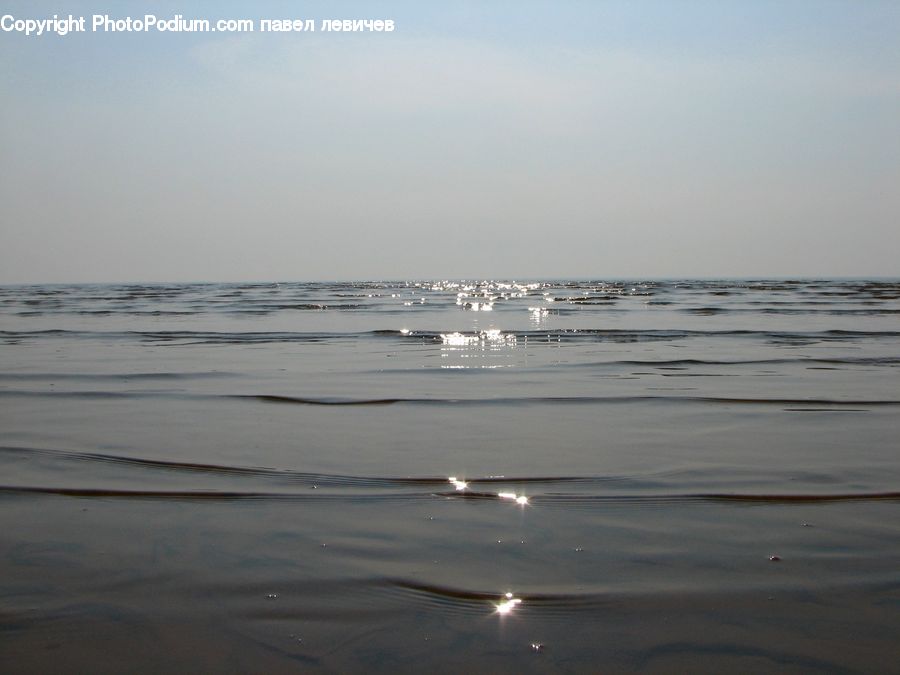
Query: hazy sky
column 479, row 139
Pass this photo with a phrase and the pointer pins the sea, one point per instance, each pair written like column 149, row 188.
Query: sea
column 486, row 476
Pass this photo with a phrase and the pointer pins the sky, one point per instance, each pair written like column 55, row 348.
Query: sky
column 477, row 140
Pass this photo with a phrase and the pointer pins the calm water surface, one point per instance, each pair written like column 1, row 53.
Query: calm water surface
column 667, row 476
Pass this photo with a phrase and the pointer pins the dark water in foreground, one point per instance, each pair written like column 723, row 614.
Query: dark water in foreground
column 256, row 478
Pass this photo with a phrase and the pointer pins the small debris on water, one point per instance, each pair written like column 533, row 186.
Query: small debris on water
column 775, row 558
column 271, row 596
column 579, row 550
column 537, row 646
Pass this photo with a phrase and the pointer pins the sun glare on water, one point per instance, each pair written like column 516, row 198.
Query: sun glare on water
column 460, row 485
column 508, row 604
column 522, row 500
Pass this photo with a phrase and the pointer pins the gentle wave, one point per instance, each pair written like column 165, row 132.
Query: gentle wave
column 116, row 377
column 349, row 599
column 845, row 360
column 286, row 475
column 791, row 311
column 206, row 495
column 342, row 599
column 533, row 500
column 533, row 336
column 655, row 480
column 495, row 401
